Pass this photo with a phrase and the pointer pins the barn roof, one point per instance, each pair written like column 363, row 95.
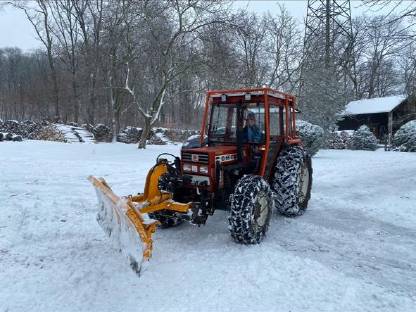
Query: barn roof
column 375, row 105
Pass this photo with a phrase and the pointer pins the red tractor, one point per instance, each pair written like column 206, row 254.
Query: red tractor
column 247, row 159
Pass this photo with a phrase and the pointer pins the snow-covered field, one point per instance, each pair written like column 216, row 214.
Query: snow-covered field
column 353, row 250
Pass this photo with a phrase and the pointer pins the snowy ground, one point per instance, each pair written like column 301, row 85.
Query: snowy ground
column 353, row 250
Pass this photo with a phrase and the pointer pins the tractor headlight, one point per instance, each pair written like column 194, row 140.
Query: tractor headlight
column 203, row 169
column 187, row 167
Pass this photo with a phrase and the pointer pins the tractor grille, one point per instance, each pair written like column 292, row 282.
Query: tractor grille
column 200, row 158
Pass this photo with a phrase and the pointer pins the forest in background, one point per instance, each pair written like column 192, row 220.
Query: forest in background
column 148, row 63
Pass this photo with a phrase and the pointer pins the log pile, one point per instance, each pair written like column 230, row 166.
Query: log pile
column 13, row 130
column 8, row 136
column 101, row 132
column 129, row 135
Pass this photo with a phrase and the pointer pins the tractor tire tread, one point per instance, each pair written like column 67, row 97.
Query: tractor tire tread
column 242, row 205
column 285, row 184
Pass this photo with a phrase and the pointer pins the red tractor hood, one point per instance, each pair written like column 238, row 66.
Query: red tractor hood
column 216, row 150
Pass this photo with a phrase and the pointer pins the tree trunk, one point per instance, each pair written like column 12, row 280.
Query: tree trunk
column 145, row 133
column 55, row 87
column 327, row 33
column 91, row 106
column 76, row 98
column 115, row 124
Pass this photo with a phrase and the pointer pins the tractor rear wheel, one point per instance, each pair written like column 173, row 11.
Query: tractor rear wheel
column 251, row 207
column 292, row 181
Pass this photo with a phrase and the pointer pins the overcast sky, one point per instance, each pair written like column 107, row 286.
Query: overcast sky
column 16, row 31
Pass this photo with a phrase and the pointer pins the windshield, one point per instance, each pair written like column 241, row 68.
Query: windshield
column 223, row 126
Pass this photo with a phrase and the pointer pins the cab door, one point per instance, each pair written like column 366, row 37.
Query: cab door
column 277, row 135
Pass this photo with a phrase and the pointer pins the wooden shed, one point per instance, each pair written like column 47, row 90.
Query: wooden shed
column 382, row 115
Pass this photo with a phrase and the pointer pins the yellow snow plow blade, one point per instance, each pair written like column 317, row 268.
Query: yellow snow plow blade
column 125, row 219
column 130, row 230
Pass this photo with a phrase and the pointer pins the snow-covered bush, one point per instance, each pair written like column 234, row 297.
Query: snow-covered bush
column 338, row 139
column 334, row 141
column 405, row 138
column 312, row 136
column 363, row 139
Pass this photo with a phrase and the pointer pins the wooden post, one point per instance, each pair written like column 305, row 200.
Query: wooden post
column 390, row 129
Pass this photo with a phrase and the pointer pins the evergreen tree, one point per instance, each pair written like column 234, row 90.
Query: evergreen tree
column 363, row 139
column 405, row 137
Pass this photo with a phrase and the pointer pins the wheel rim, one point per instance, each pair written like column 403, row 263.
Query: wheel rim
column 303, row 183
column 261, row 210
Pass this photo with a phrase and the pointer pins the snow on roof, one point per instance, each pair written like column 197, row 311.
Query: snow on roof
column 375, row 105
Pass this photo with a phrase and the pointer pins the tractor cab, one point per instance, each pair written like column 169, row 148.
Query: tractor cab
column 242, row 133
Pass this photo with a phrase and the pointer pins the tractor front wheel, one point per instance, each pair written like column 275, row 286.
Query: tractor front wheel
column 251, row 207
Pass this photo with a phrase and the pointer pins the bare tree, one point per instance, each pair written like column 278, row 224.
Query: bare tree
column 148, row 63
column 378, row 43
column 186, row 19
column 283, row 50
column 400, row 9
column 65, row 29
column 407, row 63
column 250, row 41
column 117, row 23
column 89, row 15
column 39, row 17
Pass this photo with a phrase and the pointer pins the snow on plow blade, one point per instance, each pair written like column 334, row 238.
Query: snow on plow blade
column 128, row 229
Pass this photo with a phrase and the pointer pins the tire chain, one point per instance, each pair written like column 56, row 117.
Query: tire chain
column 285, row 183
column 242, row 203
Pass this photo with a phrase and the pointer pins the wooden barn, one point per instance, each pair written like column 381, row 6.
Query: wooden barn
column 382, row 115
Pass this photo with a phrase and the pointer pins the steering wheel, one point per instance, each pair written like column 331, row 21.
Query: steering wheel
column 170, row 162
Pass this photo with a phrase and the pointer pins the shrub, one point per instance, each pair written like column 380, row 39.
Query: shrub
column 312, row 136
column 405, row 138
column 339, row 139
column 363, row 139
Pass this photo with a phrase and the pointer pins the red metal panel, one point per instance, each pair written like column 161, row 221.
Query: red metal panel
column 267, row 130
column 287, row 126
column 204, row 120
